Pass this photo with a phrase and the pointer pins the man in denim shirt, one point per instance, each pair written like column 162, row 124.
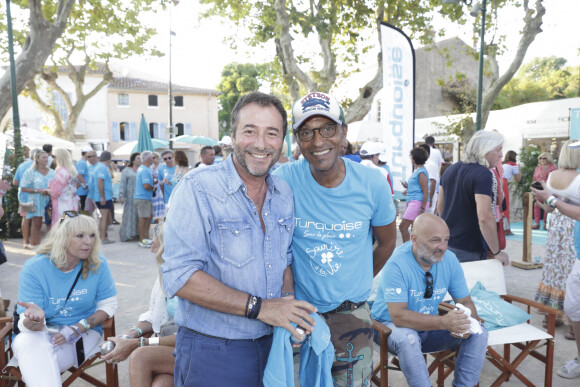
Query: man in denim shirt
column 227, row 255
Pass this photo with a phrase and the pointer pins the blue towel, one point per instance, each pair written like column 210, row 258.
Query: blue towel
column 316, row 357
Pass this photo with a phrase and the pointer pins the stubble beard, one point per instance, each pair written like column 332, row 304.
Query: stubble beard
column 240, row 155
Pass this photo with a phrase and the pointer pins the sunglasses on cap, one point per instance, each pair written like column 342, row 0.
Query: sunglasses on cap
column 72, row 214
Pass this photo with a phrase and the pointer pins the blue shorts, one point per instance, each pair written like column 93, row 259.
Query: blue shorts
column 202, row 361
column 108, row 205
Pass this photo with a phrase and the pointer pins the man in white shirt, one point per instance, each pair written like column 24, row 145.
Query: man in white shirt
column 369, row 154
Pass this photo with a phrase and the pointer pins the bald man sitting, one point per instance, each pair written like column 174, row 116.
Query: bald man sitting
column 413, row 283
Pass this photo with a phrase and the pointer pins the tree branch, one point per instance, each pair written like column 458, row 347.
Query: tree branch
column 285, row 46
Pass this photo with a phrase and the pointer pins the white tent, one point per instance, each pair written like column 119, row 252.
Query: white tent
column 34, row 138
column 362, row 131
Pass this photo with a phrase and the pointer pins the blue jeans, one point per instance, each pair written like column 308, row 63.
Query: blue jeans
column 409, row 345
column 206, row 361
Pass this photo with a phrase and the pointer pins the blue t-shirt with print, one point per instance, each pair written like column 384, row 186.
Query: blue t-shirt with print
column 166, row 172
column 144, row 176
column 83, row 170
column 332, row 243
column 414, row 191
column 100, row 171
column 403, row 280
column 42, row 283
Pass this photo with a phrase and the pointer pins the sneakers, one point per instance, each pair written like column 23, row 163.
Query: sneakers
column 146, row 243
column 571, row 370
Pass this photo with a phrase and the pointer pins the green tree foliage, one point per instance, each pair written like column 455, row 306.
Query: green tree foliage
column 541, row 79
column 96, row 31
column 237, row 79
column 528, row 160
column 317, row 44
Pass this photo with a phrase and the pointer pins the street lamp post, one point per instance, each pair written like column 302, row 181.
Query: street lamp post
column 15, row 113
column 475, row 10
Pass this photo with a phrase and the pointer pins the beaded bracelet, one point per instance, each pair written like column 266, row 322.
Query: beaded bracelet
column 142, row 342
column 139, row 331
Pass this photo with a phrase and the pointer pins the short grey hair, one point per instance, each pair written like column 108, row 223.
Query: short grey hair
column 166, row 151
column 481, row 144
column 145, row 155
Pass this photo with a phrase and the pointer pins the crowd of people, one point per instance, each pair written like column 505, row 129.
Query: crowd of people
column 260, row 253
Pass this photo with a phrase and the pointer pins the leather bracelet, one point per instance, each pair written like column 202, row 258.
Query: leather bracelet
column 494, row 254
column 250, row 306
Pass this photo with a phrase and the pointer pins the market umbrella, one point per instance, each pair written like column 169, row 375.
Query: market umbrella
column 144, row 143
column 201, row 140
column 131, row 147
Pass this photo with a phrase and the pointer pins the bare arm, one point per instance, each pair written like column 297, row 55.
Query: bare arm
column 567, row 209
column 148, row 187
column 288, row 281
column 204, row 290
column 424, row 183
column 101, row 187
column 454, row 321
column 440, row 201
column 386, row 237
column 488, row 226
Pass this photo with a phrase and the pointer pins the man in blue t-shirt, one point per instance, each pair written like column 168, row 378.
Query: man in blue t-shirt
column 102, row 193
column 83, row 176
column 165, row 174
column 144, row 187
column 413, row 283
column 339, row 206
column 23, row 196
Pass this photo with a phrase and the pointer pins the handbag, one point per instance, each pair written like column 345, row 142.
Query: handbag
column 27, row 206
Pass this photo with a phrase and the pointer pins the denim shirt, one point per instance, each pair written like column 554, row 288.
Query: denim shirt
column 213, row 226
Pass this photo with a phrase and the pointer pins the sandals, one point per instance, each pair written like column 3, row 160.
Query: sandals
column 559, row 322
column 570, row 334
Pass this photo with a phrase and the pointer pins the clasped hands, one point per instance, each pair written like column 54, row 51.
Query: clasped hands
column 455, row 321
column 281, row 312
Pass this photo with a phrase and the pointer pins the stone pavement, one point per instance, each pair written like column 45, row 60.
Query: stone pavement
column 134, row 271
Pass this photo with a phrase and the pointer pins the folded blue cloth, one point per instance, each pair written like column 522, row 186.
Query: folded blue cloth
column 316, row 357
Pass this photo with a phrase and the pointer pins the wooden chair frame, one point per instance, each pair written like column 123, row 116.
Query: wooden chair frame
column 12, row 376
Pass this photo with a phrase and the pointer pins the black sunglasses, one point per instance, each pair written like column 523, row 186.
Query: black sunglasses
column 167, row 158
column 72, row 214
column 429, row 283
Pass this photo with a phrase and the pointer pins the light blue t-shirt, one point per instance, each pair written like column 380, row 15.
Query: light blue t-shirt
column 332, row 243
column 403, row 280
column 23, row 167
column 166, row 172
column 42, row 283
column 100, row 171
column 83, row 170
column 414, row 191
column 144, row 176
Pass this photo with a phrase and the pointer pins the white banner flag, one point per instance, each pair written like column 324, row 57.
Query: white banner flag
column 398, row 104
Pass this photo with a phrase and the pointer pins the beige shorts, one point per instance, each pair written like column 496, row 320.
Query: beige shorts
column 144, row 208
column 572, row 298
